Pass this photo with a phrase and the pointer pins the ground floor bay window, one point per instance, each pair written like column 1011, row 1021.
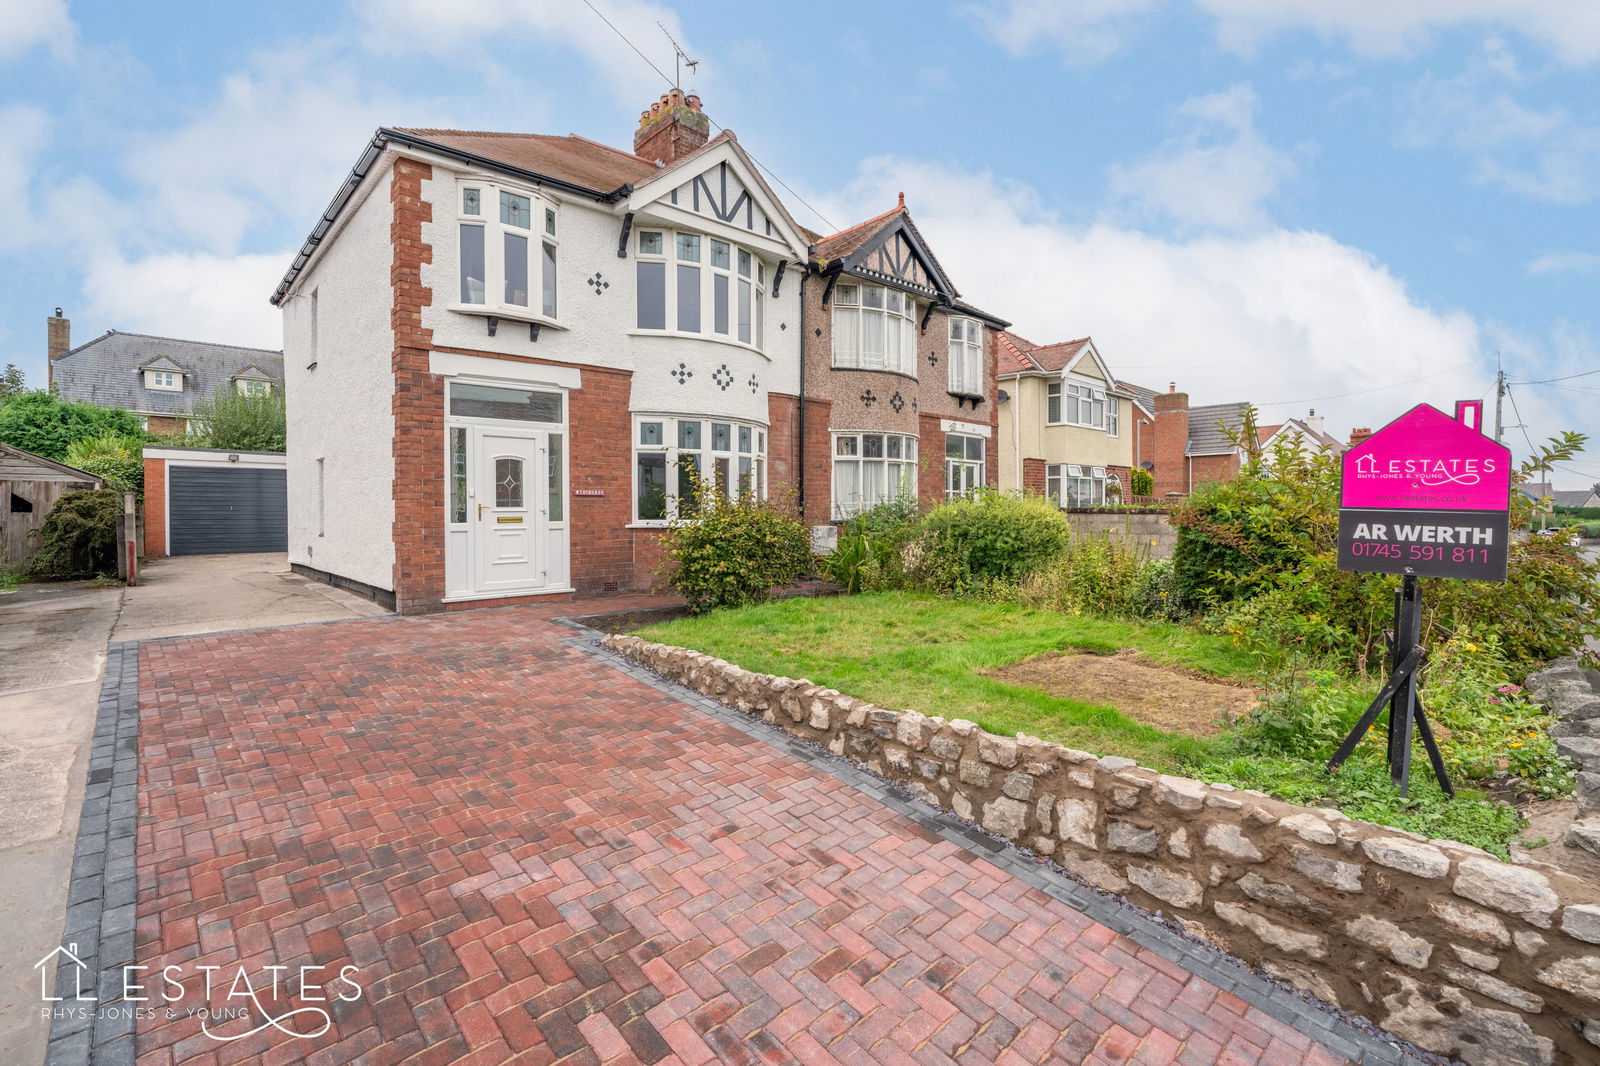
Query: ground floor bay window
column 1073, row 485
column 963, row 464
column 676, row 459
column 872, row 468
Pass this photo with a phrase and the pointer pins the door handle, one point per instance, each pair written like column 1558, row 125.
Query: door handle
column 480, row 512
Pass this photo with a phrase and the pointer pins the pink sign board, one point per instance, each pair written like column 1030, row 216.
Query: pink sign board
column 1427, row 460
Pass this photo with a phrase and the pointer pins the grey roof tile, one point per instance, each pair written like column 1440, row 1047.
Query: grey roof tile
column 106, row 371
column 1206, row 434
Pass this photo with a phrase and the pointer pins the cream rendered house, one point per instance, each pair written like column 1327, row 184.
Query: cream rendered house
column 1066, row 427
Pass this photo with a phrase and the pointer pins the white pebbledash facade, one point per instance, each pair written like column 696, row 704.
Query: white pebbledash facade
column 532, row 337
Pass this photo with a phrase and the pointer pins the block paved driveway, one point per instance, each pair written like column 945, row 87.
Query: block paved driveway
column 533, row 857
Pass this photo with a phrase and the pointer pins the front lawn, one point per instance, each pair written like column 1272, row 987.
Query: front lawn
column 925, row 653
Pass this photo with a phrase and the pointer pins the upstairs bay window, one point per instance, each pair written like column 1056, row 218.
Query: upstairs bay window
column 694, row 283
column 874, row 328
column 1077, row 405
column 872, row 468
column 966, row 357
column 507, row 252
column 677, row 459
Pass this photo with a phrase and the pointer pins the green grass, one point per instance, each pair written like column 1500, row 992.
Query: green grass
column 9, row 579
column 903, row 650
column 906, row 650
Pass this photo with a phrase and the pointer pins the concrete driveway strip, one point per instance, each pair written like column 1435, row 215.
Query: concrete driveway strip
column 52, row 647
column 519, row 852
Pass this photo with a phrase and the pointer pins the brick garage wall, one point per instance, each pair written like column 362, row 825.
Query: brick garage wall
column 1033, row 475
column 155, row 508
column 1441, row 943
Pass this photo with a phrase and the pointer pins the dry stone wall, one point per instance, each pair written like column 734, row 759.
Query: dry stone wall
column 1441, row 943
column 1572, row 693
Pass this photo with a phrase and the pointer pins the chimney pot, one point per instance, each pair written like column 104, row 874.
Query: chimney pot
column 672, row 128
column 1172, row 386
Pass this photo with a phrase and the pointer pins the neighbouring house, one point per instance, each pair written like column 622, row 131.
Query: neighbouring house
column 160, row 379
column 1574, row 498
column 30, row 485
column 1068, row 429
column 899, row 375
column 1192, row 446
column 514, row 359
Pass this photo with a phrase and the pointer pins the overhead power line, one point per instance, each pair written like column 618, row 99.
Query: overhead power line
column 1364, row 392
column 1552, row 381
column 720, row 129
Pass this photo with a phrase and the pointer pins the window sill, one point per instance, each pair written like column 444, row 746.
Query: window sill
column 875, row 370
column 512, row 315
column 653, row 524
column 712, row 337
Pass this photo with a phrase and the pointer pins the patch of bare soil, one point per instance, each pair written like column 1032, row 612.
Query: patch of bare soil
column 1549, row 820
column 1167, row 697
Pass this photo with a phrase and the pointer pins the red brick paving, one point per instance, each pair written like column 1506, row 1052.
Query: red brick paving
column 534, row 858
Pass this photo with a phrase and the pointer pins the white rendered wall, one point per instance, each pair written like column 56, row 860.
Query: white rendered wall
column 341, row 411
column 598, row 326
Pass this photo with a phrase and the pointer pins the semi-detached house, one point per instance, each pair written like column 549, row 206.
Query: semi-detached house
column 510, row 358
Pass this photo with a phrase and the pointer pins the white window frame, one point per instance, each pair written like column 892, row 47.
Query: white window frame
column 735, row 272
column 963, row 475
column 1113, row 416
column 853, row 467
column 253, row 387
column 739, row 479
column 850, row 308
column 543, row 217
column 1075, row 485
column 164, row 380
column 1074, row 397
column 966, row 356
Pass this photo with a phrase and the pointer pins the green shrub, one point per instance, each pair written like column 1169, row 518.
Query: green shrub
column 40, row 423
column 988, row 537
column 118, row 459
column 1304, row 715
column 733, row 553
column 1142, row 482
column 869, row 552
column 232, row 420
column 1093, row 575
column 79, row 536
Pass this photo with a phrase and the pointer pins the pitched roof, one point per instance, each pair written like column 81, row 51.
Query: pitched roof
column 1145, row 397
column 1058, row 356
column 848, row 240
column 1011, row 352
column 1570, row 497
column 1208, row 426
column 107, row 371
column 571, row 158
column 1019, row 355
column 29, row 458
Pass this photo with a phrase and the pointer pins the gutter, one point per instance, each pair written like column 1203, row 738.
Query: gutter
column 381, row 141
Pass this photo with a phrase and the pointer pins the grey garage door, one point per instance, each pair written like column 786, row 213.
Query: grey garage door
column 212, row 510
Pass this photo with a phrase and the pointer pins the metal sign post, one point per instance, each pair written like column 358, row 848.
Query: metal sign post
column 1427, row 495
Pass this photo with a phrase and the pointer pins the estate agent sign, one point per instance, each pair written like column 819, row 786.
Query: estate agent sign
column 1426, row 495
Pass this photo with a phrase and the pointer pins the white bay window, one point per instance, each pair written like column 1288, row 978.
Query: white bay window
column 1075, row 485
column 966, row 357
column 694, row 283
column 1075, row 404
column 872, row 468
column 507, row 252
column 874, row 328
column 677, row 459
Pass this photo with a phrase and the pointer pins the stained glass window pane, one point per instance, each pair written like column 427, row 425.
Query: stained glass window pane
column 458, row 474
column 872, row 446
column 689, row 247
column 558, row 492
column 721, row 437
column 469, row 201
column 689, row 435
column 719, row 254
column 744, row 263
column 549, row 222
column 650, row 434
column 744, row 438
column 507, row 482
column 515, row 210
column 650, row 243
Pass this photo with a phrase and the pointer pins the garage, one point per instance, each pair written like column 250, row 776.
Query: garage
column 215, row 502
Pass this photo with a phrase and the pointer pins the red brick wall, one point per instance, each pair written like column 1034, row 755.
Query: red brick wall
column 1171, row 443
column 418, row 404
column 819, row 462
column 155, row 508
column 1209, row 468
column 1033, row 475
column 165, row 425
column 930, row 460
column 603, row 547
column 1125, row 475
column 783, row 445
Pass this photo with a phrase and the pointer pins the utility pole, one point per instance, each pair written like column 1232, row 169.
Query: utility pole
column 1499, row 393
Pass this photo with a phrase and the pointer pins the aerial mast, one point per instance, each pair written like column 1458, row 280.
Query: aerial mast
column 680, row 58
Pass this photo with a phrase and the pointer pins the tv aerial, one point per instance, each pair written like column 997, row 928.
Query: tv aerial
column 680, row 58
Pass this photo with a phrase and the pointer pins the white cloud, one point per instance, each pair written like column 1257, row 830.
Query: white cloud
column 1565, row 263
column 1092, row 30
column 1539, row 154
column 1217, row 174
column 1270, row 316
column 26, row 135
column 1083, row 31
column 196, row 295
column 25, row 24
column 464, row 28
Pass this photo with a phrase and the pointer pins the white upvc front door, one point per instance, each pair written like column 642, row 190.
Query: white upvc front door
column 510, row 510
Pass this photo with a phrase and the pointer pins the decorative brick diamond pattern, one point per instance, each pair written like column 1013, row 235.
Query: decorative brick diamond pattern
column 533, row 858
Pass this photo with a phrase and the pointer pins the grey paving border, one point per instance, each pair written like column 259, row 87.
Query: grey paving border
column 1337, row 1030
column 102, row 897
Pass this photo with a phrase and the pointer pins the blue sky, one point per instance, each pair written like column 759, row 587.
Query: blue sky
column 1347, row 206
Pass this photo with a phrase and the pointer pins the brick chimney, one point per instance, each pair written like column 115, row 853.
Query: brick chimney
column 672, row 128
column 1359, row 435
column 1171, row 438
column 58, row 342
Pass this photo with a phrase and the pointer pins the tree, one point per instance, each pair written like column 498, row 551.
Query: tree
column 11, row 383
column 238, row 421
column 45, row 425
